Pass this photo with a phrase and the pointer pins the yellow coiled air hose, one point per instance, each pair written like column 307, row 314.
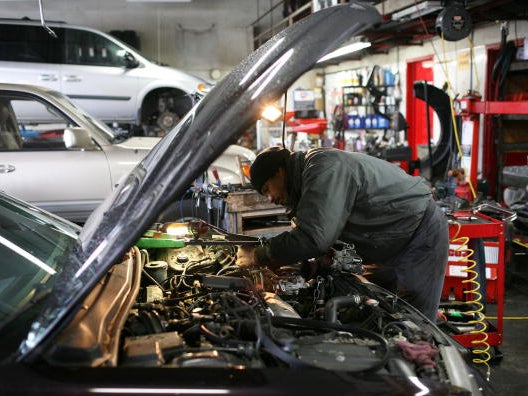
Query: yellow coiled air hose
column 480, row 347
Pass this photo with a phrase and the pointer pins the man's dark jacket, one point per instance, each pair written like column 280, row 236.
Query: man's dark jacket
column 351, row 197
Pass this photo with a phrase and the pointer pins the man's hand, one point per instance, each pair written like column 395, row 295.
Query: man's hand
column 313, row 267
column 245, row 256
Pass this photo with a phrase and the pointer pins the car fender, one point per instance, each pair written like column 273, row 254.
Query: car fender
column 121, row 160
column 228, row 167
column 165, row 77
column 123, row 157
column 139, row 143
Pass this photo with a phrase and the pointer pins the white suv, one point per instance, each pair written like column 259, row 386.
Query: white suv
column 107, row 78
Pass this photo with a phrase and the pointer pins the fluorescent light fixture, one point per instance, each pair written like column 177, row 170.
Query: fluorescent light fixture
column 417, row 10
column 347, row 49
column 159, row 1
column 159, row 391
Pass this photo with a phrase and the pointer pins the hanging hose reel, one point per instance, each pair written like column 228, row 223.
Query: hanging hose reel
column 453, row 23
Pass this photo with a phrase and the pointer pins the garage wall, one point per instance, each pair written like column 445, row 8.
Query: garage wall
column 199, row 37
column 451, row 62
column 453, row 55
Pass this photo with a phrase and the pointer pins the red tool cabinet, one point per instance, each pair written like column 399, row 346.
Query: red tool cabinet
column 471, row 224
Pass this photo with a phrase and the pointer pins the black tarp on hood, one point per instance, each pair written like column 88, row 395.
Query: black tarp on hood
column 207, row 130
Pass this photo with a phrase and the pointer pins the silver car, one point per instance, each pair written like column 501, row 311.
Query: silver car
column 56, row 156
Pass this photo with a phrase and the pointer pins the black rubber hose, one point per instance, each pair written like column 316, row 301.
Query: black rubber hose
column 317, row 324
column 335, row 303
column 215, row 338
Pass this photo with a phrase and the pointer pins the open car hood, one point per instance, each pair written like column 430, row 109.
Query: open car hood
column 185, row 153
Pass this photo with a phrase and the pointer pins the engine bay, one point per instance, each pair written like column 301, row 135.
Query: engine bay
column 197, row 308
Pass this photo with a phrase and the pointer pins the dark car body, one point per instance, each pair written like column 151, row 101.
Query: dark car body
column 110, row 326
column 118, row 342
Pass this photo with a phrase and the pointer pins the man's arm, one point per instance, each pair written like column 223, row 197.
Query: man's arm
column 328, row 193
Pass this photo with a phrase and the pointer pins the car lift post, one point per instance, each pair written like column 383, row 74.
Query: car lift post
column 470, row 107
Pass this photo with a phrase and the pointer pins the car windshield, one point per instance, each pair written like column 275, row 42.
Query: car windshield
column 32, row 245
column 110, row 135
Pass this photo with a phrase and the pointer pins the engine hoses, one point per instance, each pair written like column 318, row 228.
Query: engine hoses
column 480, row 345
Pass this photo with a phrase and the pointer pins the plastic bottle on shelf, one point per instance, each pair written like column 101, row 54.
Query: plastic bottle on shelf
column 377, row 80
column 357, row 122
column 374, row 121
column 352, row 117
column 368, row 121
column 362, row 118
column 389, row 77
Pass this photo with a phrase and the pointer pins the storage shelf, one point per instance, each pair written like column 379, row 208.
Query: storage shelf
column 519, row 66
column 379, row 105
column 365, row 129
column 266, row 231
column 369, row 107
column 364, row 86
column 514, row 117
column 521, row 146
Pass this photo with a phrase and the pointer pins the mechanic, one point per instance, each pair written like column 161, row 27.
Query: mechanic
column 388, row 215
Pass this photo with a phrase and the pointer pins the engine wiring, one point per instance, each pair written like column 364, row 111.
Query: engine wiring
column 209, row 311
column 317, row 324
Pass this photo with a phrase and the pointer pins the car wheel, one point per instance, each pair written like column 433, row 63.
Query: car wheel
column 167, row 120
column 162, row 109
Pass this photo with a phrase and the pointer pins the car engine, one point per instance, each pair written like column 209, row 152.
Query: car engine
column 197, row 308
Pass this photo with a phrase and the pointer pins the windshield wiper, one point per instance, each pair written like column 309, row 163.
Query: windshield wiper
column 41, row 292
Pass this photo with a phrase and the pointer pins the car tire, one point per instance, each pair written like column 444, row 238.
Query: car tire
column 162, row 109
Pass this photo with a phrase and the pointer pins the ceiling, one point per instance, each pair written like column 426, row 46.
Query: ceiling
column 405, row 25
column 405, row 22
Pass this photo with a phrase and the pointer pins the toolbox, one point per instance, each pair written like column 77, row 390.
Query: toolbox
column 465, row 227
column 455, row 272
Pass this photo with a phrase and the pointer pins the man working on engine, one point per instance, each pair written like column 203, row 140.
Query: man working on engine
column 388, row 215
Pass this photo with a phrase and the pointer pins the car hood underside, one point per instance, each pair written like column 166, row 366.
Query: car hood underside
column 185, row 153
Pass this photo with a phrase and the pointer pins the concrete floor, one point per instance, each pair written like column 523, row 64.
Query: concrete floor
column 510, row 375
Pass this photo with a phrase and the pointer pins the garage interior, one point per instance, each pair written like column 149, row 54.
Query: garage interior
column 397, row 96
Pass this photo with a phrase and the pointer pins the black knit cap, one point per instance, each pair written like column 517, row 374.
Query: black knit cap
column 266, row 165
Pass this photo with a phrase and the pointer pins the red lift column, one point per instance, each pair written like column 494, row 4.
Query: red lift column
column 470, row 108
